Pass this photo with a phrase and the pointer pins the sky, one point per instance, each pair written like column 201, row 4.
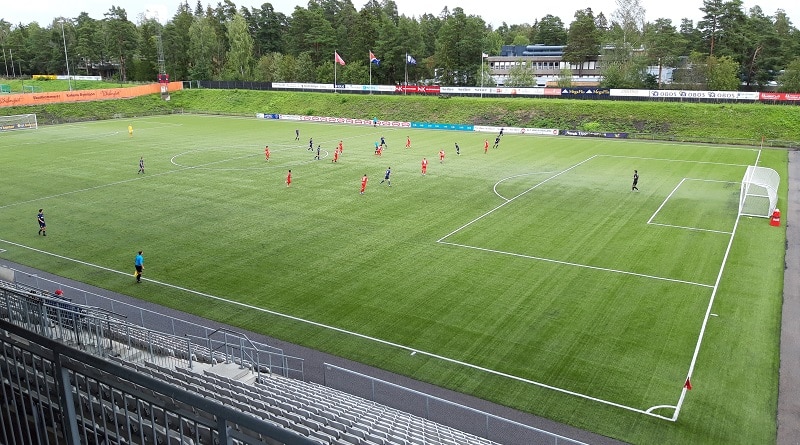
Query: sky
column 509, row 11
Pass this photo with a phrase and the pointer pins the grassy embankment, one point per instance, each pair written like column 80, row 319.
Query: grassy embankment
column 719, row 123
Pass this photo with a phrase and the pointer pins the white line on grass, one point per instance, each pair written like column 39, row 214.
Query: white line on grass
column 512, row 177
column 183, row 168
column 585, row 266
column 697, row 229
column 263, row 167
column 512, row 199
column 650, row 221
column 665, row 201
column 90, row 188
column 344, row 331
column 705, row 319
column 672, row 160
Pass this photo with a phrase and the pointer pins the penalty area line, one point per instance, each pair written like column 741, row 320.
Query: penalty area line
column 512, row 199
column 585, row 266
column 344, row 331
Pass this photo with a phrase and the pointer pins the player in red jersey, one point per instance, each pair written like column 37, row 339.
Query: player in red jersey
column 424, row 166
column 408, row 142
column 341, row 147
column 363, row 183
column 441, row 156
column 266, row 152
column 485, row 146
column 289, row 179
column 335, row 155
column 379, row 151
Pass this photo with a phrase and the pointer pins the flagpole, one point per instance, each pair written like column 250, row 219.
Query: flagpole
column 405, row 65
column 335, row 62
column 481, row 72
column 370, row 75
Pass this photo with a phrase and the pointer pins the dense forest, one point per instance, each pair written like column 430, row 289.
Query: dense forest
column 728, row 49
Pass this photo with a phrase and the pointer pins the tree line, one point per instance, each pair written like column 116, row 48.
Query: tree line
column 728, row 49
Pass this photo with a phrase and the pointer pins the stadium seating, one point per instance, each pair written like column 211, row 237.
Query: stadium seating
column 313, row 410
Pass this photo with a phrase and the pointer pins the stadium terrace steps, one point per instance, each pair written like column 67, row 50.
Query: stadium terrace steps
column 315, row 411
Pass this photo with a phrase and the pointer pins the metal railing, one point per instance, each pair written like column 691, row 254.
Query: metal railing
column 54, row 394
column 438, row 410
column 160, row 338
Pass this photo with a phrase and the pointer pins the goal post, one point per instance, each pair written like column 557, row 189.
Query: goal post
column 759, row 192
column 18, row 122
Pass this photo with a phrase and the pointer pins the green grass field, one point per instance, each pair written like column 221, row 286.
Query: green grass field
column 531, row 276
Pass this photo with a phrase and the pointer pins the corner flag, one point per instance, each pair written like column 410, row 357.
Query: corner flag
column 337, row 58
column 688, row 384
column 373, row 59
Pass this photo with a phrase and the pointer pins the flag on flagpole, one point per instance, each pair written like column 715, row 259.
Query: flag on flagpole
column 374, row 59
column 337, row 58
column 410, row 60
column 484, row 55
column 688, row 384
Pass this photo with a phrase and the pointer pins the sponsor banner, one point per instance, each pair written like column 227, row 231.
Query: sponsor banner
column 420, row 89
column 585, row 91
column 19, row 126
column 779, row 96
column 594, row 134
column 345, row 120
column 79, row 77
column 302, row 86
column 618, row 92
column 268, row 116
column 436, row 126
column 379, row 88
column 45, row 77
column 290, row 117
column 552, row 91
column 713, row 95
column 8, row 100
column 505, row 91
column 517, row 130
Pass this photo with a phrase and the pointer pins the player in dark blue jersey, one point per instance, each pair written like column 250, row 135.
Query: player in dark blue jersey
column 383, row 142
column 42, row 225
column 458, row 149
column 386, row 176
column 635, row 180
column 311, row 144
column 141, row 166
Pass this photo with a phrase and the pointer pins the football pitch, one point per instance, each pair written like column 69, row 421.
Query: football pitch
column 531, row 275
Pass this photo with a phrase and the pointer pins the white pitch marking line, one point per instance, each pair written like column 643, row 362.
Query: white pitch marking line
column 512, row 177
column 665, row 201
column 182, row 168
column 672, row 160
column 652, row 408
column 705, row 320
column 344, row 331
column 512, row 199
column 585, row 266
column 690, row 228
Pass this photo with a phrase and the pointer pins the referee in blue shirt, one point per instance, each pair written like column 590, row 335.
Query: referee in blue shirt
column 139, row 264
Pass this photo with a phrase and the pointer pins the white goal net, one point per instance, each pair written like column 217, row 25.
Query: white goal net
column 759, row 194
column 18, row 122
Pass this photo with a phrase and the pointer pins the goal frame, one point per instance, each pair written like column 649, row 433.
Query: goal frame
column 759, row 192
column 18, row 122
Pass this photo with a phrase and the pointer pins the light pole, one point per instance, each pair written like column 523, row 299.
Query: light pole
column 66, row 59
